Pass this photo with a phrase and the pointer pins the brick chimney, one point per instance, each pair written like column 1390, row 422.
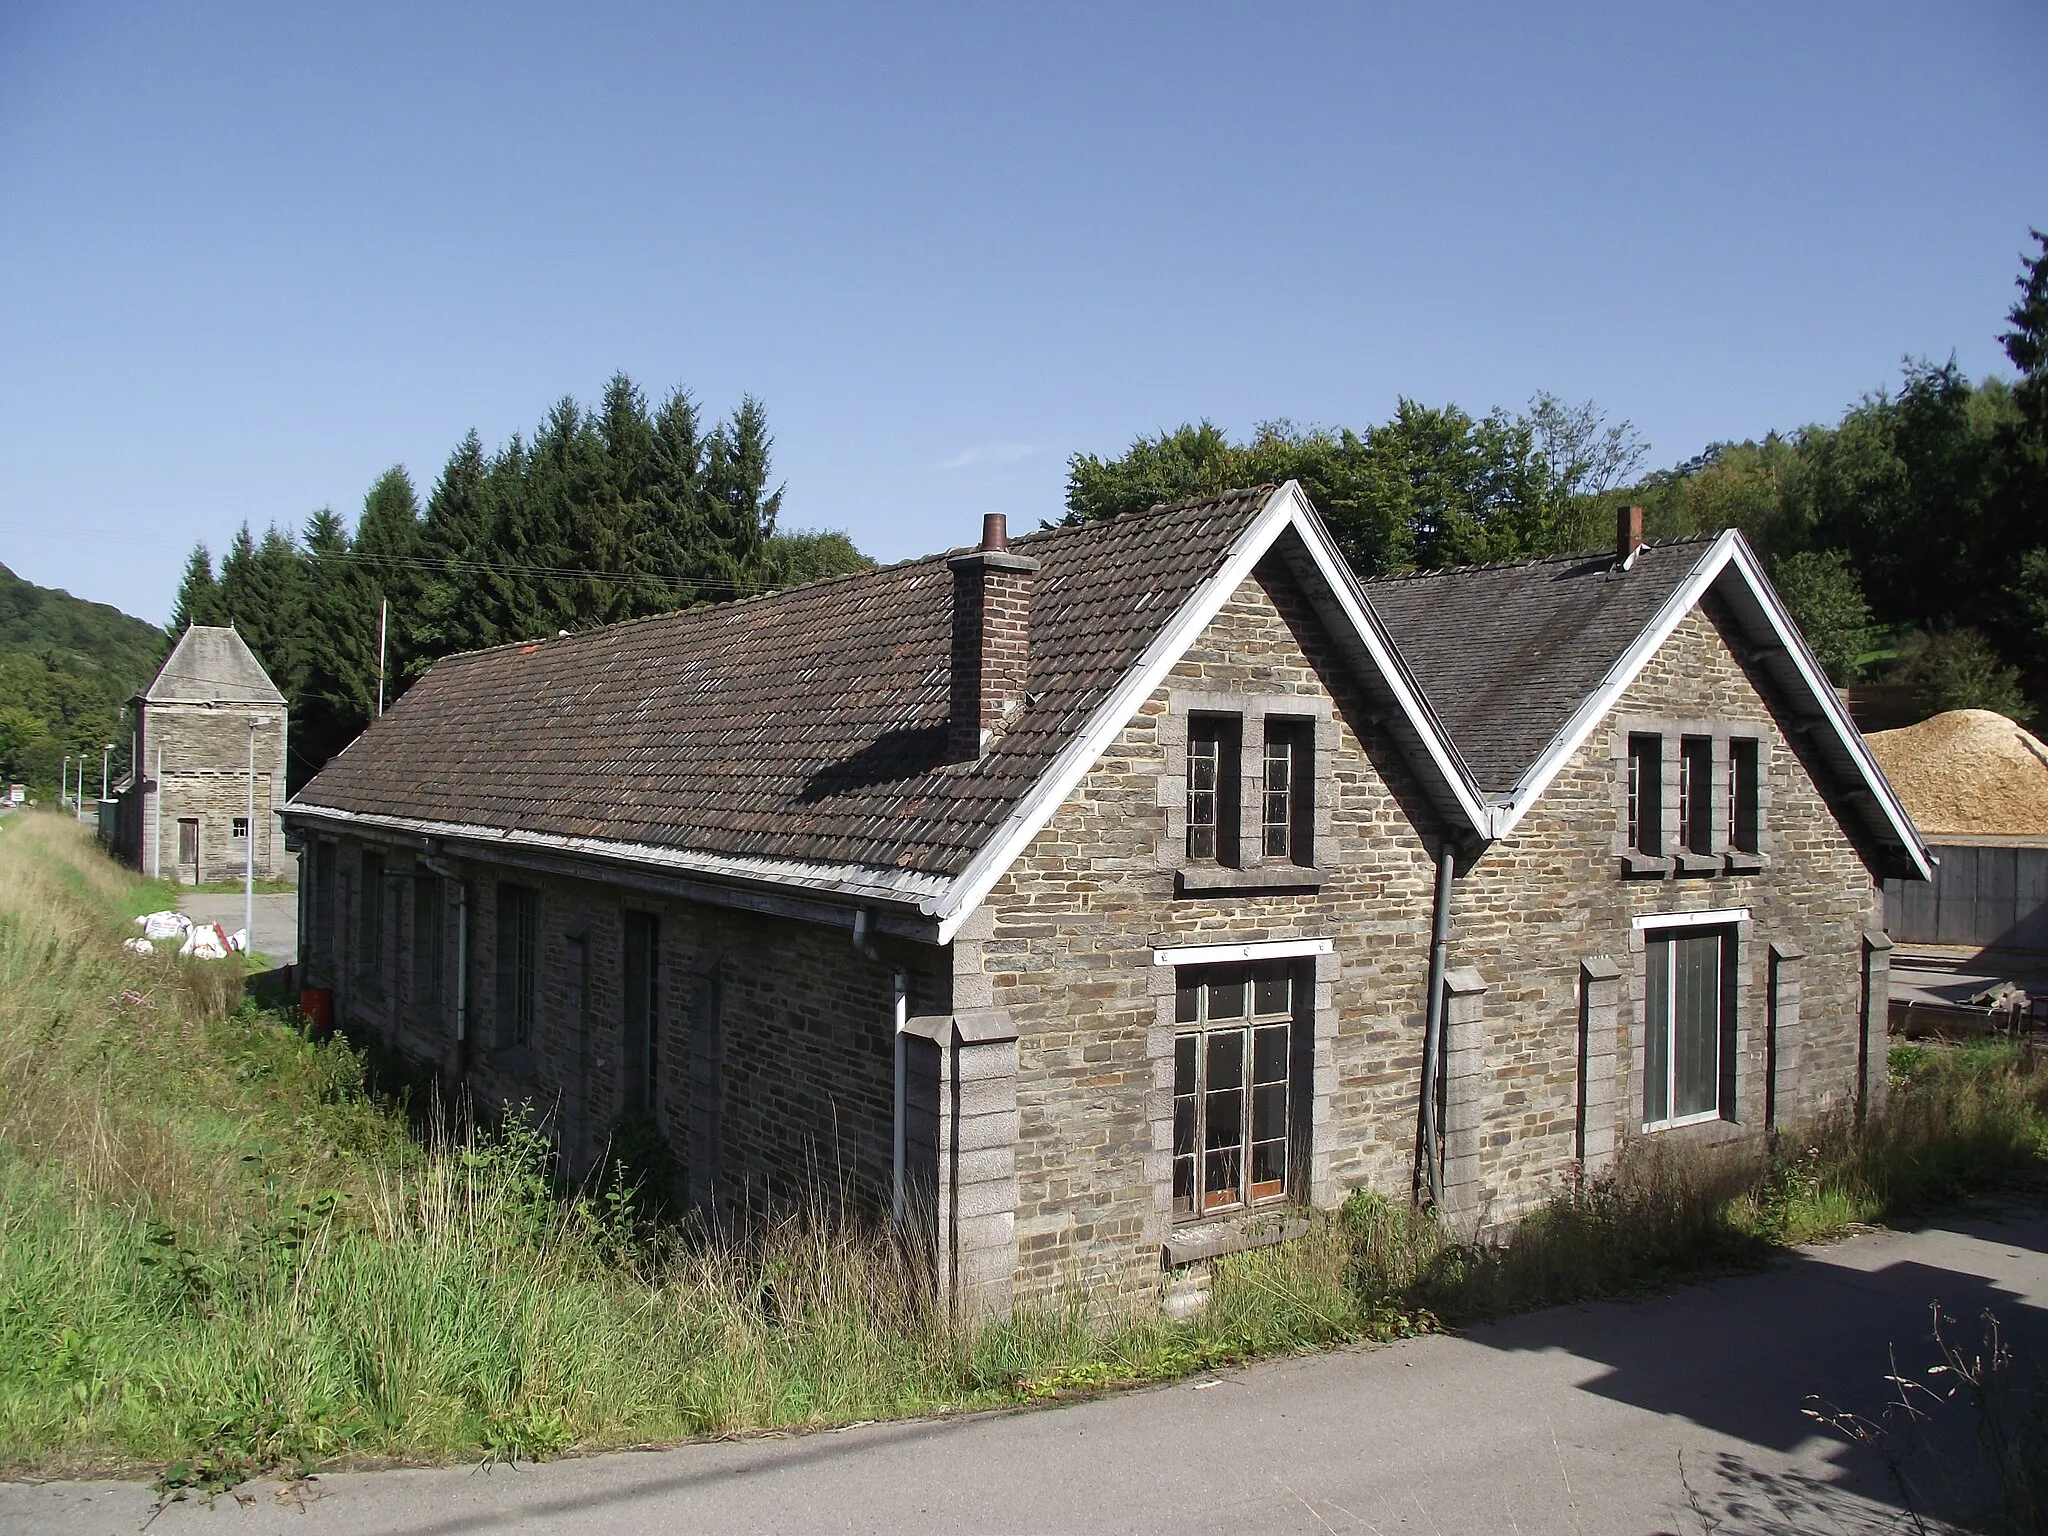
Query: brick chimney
column 991, row 639
column 1628, row 533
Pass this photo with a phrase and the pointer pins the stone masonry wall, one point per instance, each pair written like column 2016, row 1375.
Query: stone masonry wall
column 1075, row 920
column 1551, row 897
column 205, row 774
column 774, row 1053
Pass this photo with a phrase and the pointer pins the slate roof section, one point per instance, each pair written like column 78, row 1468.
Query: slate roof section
column 1507, row 653
column 806, row 725
column 211, row 665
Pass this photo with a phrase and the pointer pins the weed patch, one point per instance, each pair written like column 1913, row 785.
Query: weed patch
column 223, row 1251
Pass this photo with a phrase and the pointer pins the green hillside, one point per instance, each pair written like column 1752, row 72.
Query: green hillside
column 66, row 668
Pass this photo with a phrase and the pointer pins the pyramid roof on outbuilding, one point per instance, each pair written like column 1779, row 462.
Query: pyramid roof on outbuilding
column 211, row 664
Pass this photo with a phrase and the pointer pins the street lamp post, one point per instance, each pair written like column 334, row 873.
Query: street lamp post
column 249, row 846
column 106, row 756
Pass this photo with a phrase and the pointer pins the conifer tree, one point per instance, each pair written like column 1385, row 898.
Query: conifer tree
column 198, row 595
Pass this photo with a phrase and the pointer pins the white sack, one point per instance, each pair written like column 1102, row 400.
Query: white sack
column 139, row 946
column 206, row 942
column 165, row 925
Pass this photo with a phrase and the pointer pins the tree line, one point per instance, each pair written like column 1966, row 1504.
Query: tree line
column 602, row 515
column 1909, row 538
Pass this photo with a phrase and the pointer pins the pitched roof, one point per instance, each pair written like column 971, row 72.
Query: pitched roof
column 211, row 665
column 1507, row 653
column 807, row 725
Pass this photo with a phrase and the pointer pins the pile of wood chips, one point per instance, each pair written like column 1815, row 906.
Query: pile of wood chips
column 1969, row 771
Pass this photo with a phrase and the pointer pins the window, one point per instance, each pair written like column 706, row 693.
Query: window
column 1688, row 1020
column 426, row 937
column 1232, row 1056
column 1745, row 795
column 188, row 840
column 1696, row 793
column 1288, row 803
column 240, row 828
column 324, row 859
column 1646, row 794
column 370, row 926
column 639, row 1033
column 1213, row 788
column 518, row 929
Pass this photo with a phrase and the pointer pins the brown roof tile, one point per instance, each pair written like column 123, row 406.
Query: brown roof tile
column 805, row 725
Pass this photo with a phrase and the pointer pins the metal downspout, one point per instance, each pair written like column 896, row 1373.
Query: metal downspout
column 1433, row 1019
column 899, row 983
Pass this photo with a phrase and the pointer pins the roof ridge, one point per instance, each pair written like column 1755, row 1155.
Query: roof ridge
column 1563, row 557
column 873, row 573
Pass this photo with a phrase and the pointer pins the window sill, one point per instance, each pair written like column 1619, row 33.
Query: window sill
column 1645, row 864
column 1260, row 877
column 1747, row 863
column 1699, row 863
column 1201, row 1240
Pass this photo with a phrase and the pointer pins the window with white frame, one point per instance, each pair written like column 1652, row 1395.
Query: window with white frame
column 240, row 829
column 1232, row 1085
column 1688, row 1025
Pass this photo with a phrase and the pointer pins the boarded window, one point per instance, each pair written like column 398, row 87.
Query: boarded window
column 1232, row 1073
column 1688, row 1021
column 1288, row 801
column 640, row 1033
column 1646, row 794
column 1213, row 779
column 426, row 937
column 1745, row 795
column 370, row 926
column 518, row 944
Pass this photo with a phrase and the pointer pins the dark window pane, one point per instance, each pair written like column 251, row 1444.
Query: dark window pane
column 1269, row 1112
column 1219, row 1180
column 1226, row 1059
column 1657, row 1033
column 1226, row 997
column 1187, row 1000
column 1184, row 1064
column 1273, row 989
column 1269, row 1169
column 1269, row 1054
column 1696, row 1038
column 1183, row 1186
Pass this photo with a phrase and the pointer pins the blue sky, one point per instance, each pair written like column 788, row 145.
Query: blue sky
column 251, row 256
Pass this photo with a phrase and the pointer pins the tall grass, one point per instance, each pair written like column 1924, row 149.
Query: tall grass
column 219, row 1252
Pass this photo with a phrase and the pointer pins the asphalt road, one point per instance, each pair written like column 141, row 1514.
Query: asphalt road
column 1681, row 1413
column 277, row 919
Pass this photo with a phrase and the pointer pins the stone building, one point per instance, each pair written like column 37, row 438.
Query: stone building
column 210, row 726
column 1091, row 902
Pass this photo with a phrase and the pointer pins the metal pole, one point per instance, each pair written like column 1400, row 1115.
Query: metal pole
column 249, row 848
column 383, row 618
column 106, row 756
column 156, row 842
column 64, row 782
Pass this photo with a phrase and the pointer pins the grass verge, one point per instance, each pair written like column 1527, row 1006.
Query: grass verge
column 220, row 1253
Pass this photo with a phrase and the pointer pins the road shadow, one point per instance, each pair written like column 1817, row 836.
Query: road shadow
column 1747, row 1357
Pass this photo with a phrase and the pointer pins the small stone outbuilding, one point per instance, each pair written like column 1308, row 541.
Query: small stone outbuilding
column 1092, row 902
column 210, row 733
